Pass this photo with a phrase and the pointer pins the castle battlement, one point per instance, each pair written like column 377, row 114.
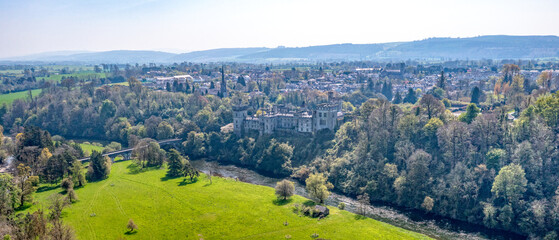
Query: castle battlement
column 283, row 119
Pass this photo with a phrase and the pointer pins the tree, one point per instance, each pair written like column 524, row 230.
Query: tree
column 364, row 201
column 58, row 229
column 131, row 226
column 76, row 173
column 494, row 158
column 165, row 131
column 8, row 194
column 276, row 158
column 471, row 113
column 99, row 166
column 397, row 98
column 387, row 90
column 476, row 94
column 241, row 80
column 72, row 196
column 318, row 187
column 544, row 79
column 454, row 141
column 510, row 183
column 108, row 110
column 26, row 183
column 176, row 163
column 410, row 97
column 285, row 189
column 147, row 153
column 189, row 171
column 442, row 81
column 67, row 184
column 428, row 204
column 431, row 106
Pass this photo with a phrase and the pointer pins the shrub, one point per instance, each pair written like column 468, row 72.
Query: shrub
column 341, row 206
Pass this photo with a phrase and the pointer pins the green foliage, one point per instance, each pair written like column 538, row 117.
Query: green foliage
column 410, row 96
column 471, row 113
column 494, row 158
column 318, row 187
column 510, row 183
column 175, row 163
column 99, row 166
column 547, row 107
column 285, row 189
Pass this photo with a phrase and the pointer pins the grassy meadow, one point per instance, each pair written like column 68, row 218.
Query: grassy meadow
column 166, row 208
column 88, row 148
column 81, row 75
column 8, row 98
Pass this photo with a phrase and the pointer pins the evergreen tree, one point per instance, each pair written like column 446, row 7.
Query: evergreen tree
column 442, row 81
column 476, row 93
column 176, row 163
column 241, row 80
column 397, row 98
column 168, row 86
column 410, row 97
column 99, row 166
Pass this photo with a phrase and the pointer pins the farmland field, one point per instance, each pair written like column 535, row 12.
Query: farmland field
column 8, row 98
column 224, row 209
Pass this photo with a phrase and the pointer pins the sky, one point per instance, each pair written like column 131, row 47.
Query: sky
column 34, row 26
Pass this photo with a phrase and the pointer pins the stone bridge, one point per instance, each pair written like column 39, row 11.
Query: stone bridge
column 127, row 153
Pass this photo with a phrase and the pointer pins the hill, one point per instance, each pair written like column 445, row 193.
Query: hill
column 225, row 209
column 482, row 47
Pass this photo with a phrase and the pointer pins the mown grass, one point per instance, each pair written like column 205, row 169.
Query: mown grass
column 224, row 209
column 8, row 98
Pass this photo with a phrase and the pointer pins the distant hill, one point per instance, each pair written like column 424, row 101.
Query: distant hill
column 483, row 47
column 216, row 55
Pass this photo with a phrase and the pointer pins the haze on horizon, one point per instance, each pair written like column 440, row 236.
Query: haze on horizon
column 35, row 26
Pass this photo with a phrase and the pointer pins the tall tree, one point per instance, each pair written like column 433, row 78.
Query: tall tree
column 99, row 166
column 442, row 81
column 176, row 163
column 476, row 94
column 318, row 187
column 510, row 183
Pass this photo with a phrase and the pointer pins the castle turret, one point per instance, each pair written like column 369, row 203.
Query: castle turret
column 239, row 116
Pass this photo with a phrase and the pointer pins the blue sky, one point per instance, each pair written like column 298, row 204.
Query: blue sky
column 33, row 26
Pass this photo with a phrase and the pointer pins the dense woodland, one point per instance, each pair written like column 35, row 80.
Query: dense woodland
column 411, row 151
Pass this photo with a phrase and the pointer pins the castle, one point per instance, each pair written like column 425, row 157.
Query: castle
column 281, row 119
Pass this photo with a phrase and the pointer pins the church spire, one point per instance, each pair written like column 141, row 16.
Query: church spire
column 223, row 82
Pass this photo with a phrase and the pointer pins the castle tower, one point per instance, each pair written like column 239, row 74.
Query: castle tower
column 239, row 116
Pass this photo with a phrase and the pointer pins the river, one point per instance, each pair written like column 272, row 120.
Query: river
column 433, row 226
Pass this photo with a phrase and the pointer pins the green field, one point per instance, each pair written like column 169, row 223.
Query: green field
column 90, row 147
column 8, row 98
column 81, row 75
column 225, row 209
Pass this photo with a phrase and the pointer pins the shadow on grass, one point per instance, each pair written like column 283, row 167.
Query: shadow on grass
column 135, row 168
column 46, row 188
column 130, row 233
column 167, row 178
column 309, row 203
column 185, row 181
column 281, row 202
column 360, row 217
column 25, row 206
